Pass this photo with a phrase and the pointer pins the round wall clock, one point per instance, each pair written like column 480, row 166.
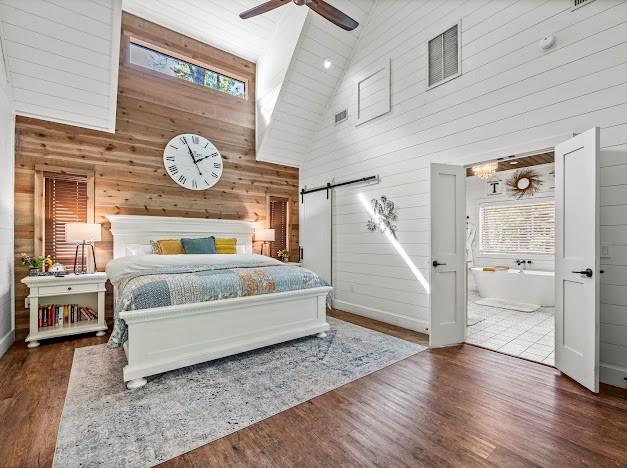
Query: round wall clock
column 192, row 161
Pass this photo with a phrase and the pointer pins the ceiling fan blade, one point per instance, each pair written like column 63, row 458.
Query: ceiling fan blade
column 263, row 8
column 332, row 14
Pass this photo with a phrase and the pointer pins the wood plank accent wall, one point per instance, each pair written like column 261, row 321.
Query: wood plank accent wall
column 128, row 165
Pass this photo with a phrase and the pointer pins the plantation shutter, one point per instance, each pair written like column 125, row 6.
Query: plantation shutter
column 444, row 56
column 65, row 201
column 278, row 222
column 523, row 228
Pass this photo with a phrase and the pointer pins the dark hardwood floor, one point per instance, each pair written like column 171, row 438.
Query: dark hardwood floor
column 461, row 406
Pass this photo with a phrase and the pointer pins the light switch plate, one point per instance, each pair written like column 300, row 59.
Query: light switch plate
column 605, row 251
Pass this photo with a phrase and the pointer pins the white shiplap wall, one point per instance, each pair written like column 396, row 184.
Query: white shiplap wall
column 7, row 132
column 215, row 22
column 307, row 86
column 510, row 95
column 272, row 68
column 63, row 59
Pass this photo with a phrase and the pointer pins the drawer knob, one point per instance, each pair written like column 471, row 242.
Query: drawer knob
column 69, row 288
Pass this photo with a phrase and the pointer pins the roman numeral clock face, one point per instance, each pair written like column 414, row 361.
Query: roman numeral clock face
column 192, row 162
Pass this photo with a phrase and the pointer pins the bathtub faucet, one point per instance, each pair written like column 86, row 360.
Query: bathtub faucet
column 524, row 263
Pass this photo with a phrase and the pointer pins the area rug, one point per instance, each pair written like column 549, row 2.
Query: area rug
column 103, row 424
column 506, row 304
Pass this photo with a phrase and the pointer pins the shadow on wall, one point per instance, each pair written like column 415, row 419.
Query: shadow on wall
column 613, row 213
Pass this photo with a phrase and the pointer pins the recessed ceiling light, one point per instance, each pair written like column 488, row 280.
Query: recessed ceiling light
column 327, row 63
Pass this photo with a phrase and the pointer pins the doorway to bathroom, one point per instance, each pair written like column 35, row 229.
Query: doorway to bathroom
column 576, row 247
column 510, row 256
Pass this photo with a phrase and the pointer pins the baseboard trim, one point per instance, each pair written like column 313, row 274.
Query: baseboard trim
column 383, row 316
column 613, row 375
column 6, row 341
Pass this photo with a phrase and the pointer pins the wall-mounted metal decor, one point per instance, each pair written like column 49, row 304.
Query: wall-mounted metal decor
column 385, row 216
column 524, row 183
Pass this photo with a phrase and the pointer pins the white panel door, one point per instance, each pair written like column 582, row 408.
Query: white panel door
column 448, row 210
column 315, row 233
column 577, row 258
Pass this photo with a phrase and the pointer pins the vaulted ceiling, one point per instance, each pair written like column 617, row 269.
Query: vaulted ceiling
column 289, row 45
column 285, row 130
column 215, row 22
column 62, row 59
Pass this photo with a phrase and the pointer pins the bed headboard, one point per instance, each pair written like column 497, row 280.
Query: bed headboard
column 131, row 229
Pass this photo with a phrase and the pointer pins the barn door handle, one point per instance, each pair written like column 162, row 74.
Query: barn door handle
column 436, row 263
column 587, row 272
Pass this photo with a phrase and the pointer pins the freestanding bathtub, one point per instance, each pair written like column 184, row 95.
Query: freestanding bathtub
column 528, row 286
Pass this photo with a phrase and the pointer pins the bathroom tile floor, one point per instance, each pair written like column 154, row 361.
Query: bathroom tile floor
column 529, row 335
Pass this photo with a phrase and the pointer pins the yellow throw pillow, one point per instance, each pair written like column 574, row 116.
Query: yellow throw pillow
column 170, row 247
column 226, row 246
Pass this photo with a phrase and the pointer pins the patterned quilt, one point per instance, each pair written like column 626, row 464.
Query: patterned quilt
column 165, row 287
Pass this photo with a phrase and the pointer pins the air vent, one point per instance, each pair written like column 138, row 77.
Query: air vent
column 579, row 4
column 444, row 57
column 341, row 116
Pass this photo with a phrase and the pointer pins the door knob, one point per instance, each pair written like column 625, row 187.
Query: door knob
column 436, row 263
column 587, row 272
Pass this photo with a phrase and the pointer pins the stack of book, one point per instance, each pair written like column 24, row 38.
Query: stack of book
column 62, row 314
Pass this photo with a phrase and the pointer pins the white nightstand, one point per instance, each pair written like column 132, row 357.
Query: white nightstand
column 85, row 290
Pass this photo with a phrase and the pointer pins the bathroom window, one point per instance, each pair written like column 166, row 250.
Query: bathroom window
column 522, row 228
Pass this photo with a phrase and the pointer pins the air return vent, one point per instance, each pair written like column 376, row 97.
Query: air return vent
column 579, row 3
column 341, row 116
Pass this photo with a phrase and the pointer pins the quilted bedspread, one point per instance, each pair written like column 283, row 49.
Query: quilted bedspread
column 161, row 287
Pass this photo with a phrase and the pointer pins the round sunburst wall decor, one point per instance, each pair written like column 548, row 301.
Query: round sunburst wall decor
column 524, row 183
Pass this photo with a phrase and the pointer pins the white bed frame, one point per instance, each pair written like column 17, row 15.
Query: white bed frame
column 166, row 338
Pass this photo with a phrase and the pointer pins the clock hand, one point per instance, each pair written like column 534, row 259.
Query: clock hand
column 207, row 157
column 191, row 153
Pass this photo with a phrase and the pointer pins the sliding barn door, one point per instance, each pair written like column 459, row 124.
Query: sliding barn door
column 315, row 233
column 577, row 258
column 448, row 283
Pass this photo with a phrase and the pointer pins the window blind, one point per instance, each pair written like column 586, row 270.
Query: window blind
column 523, row 228
column 65, row 202
column 278, row 222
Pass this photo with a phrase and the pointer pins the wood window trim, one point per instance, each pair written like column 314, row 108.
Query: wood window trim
column 39, row 202
column 129, row 38
column 288, row 217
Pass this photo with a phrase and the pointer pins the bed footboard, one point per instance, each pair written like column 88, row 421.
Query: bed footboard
column 167, row 338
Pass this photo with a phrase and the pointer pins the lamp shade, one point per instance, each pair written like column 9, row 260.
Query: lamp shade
column 266, row 235
column 79, row 232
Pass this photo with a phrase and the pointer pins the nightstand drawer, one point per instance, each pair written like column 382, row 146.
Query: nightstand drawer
column 69, row 289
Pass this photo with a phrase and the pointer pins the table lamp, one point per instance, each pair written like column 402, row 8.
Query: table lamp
column 267, row 236
column 82, row 233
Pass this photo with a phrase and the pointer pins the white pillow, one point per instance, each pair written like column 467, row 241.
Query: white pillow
column 138, row 249
column 241, row 249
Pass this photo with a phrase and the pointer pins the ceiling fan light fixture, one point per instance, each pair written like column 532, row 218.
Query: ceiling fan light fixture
column 485, row 171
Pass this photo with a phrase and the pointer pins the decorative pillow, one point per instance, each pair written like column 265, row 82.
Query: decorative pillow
column 206, row 245
column 139, row 249
column 226, row 246
column 169, row 247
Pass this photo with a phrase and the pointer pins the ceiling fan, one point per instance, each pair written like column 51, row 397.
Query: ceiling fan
column 319, row 6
